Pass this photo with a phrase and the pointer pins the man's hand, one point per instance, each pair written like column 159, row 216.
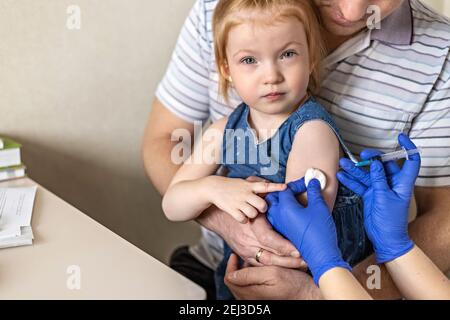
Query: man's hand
column 247, row 239
column 264, row 283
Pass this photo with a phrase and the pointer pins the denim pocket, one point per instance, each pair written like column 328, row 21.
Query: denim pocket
column 348, row 216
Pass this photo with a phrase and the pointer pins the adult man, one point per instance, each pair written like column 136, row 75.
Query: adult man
column 377, row 83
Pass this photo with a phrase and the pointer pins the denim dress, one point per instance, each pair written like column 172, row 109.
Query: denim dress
column 244, row 156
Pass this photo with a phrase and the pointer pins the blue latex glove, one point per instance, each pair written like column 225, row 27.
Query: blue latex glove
column 386, row 200
column 311, row 229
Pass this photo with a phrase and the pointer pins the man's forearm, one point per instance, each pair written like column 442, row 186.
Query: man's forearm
column 431, row 232
column 158, row 164
column 212, row 218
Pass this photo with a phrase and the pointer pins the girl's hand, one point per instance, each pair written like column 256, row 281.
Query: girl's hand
column 239, row 197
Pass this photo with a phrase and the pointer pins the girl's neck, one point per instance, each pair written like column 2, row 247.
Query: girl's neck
column 265, row 124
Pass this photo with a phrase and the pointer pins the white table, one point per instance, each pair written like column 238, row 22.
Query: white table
column 74, row 257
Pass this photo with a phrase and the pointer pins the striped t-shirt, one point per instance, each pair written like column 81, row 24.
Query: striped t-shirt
column 377, row 84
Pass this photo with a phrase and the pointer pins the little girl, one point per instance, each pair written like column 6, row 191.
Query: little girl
column 269, row 52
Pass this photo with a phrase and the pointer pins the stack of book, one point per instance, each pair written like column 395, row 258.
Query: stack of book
column 11, row 166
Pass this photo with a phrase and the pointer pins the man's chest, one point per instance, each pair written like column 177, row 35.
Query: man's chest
column 378, row 93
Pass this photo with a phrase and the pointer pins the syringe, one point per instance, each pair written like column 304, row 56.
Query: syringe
column 400, row 154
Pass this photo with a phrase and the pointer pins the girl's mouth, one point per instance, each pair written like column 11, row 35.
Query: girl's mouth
column 274, row 96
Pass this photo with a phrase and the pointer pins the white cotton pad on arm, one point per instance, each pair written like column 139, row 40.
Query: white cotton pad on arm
column 313, row 173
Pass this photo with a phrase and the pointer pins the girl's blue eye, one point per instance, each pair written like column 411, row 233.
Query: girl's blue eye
column 248, row 60
column 288, row 54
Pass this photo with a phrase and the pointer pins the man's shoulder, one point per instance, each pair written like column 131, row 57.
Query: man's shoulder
column 204, row 11
column 207, row 5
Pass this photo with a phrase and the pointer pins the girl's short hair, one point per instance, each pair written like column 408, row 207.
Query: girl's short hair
column 226, row 16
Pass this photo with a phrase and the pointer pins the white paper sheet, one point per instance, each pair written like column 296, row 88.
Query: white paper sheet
column 16, row 208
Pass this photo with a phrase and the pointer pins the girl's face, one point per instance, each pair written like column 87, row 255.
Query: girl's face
column 269, row 64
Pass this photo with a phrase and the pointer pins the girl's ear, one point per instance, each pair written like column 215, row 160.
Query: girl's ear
column 225, row 71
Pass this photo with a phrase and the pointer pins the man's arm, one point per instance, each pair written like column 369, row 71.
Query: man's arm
column 430, row 231
column 157, row 145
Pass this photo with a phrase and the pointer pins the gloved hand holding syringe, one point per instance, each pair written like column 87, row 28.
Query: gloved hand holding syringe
column 391, row 156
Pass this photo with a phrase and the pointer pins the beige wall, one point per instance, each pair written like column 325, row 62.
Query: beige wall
column 78, row 101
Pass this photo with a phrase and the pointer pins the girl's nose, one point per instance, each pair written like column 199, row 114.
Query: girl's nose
column 272, row 75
